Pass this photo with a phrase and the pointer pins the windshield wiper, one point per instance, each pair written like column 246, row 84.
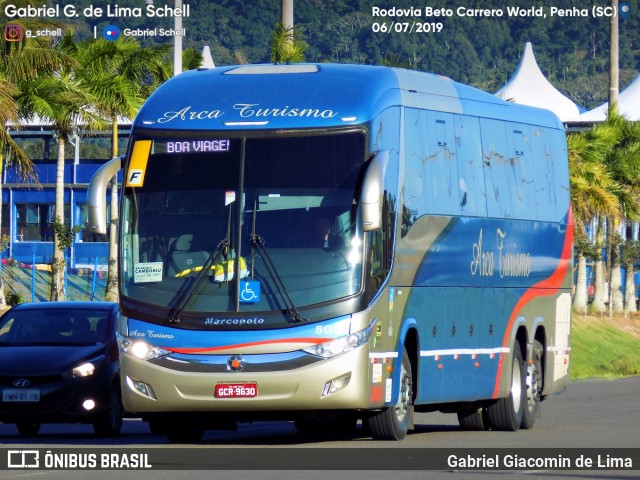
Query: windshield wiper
column 258, row 242
column 185, row 295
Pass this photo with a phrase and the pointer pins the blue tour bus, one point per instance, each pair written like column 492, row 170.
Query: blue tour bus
column 330, row 244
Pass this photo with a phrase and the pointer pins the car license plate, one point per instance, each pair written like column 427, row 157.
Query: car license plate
column 21, row 395
column 236, row 390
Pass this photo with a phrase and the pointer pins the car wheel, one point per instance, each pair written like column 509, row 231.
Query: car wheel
column 109, row 422
column 28, row 429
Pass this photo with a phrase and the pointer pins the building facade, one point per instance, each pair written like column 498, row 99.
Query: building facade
column 28, row 210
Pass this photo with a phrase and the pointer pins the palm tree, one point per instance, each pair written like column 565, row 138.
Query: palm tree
column 19, row 61
column 287, row 45
column 592, row 195
column 66, row 103
column 623, row 161
column 118, row 75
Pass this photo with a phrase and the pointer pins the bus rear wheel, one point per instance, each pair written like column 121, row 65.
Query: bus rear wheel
column 506, row 413
column 392, row 423
column 473, row 418
column 533, row 387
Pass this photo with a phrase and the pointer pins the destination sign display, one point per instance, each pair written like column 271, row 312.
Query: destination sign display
column 218, row 145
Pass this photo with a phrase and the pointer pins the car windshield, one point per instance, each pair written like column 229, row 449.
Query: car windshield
column 54, row 327
column 189, row 198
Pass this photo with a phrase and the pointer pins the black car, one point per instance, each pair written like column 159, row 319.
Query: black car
column 59, row 364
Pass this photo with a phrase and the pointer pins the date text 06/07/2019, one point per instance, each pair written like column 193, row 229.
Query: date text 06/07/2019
column 407, row 27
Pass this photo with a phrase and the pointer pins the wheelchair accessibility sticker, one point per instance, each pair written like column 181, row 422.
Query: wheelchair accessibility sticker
column 250, row 291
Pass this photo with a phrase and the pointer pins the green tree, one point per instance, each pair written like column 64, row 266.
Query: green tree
column 119, row 76
column 287, row 45
column 592, row 197
column 623, row 161
column 65, row 101
column 19, row 61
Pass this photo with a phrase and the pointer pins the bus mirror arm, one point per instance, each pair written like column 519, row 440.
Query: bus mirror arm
column 97, row 195
column 372, row 191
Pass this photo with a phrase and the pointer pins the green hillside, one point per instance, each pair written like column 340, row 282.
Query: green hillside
column 572, row 51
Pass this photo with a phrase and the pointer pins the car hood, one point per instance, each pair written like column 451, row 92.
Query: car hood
column 44, row 360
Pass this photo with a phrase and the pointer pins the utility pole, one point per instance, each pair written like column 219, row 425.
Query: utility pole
column 286, row 14
column 286, row 19
column 177, row 41
column 614, row 80
column 613, row 255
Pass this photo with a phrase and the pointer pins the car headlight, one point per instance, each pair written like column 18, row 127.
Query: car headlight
column 141, row 349
column 83, row 370
column 342, row 344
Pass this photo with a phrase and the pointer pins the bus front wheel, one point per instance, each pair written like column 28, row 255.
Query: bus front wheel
column 392, row 423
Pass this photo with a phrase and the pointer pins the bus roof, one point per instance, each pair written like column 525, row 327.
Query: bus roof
column 269, row 96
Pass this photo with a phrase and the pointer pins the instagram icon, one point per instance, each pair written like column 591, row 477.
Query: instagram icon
column 13, row 33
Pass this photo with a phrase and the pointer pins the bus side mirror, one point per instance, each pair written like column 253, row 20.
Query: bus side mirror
column 373, row 190
column 97, row 195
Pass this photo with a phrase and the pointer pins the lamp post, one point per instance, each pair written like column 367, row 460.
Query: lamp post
column 177, row 39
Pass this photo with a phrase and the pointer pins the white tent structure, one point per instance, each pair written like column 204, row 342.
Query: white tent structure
column 628, row 106
column 529, row 86
column 207, row 60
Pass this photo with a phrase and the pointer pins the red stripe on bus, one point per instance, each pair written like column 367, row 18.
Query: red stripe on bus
column 310, row 340
column 546, row 287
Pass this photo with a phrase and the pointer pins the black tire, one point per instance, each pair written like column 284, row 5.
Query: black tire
column 506, row 413
column 332, row 426
column 472, row 418
column 392, row 423
column 28, row 429
column 183, row 433
column 109, row 422
column 156, row 427
column 533, row 381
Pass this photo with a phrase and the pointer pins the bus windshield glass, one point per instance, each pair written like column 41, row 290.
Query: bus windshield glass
column 224, row 224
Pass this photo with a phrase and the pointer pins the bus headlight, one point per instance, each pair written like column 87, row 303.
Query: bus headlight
column 341, row 344
column 141, row 349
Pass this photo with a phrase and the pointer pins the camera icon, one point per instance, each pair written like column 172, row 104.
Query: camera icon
column 13, row 33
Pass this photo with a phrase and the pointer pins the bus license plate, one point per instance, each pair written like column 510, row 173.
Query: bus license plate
column 236, row 390
column 21, row 395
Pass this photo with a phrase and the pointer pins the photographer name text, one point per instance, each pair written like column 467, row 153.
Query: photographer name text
column 92, row 11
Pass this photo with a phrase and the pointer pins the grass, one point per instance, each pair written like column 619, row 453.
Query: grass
column 604, row 348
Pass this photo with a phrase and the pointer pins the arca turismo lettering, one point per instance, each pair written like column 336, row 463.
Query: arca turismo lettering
column 247, row 110
column 150, row 334
column 510, row 263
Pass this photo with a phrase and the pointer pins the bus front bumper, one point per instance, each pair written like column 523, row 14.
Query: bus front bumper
column 341, row 382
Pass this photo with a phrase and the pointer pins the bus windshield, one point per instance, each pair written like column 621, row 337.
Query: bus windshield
column 227, row 224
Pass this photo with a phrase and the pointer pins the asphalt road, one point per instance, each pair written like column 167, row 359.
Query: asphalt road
column 589, row 415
